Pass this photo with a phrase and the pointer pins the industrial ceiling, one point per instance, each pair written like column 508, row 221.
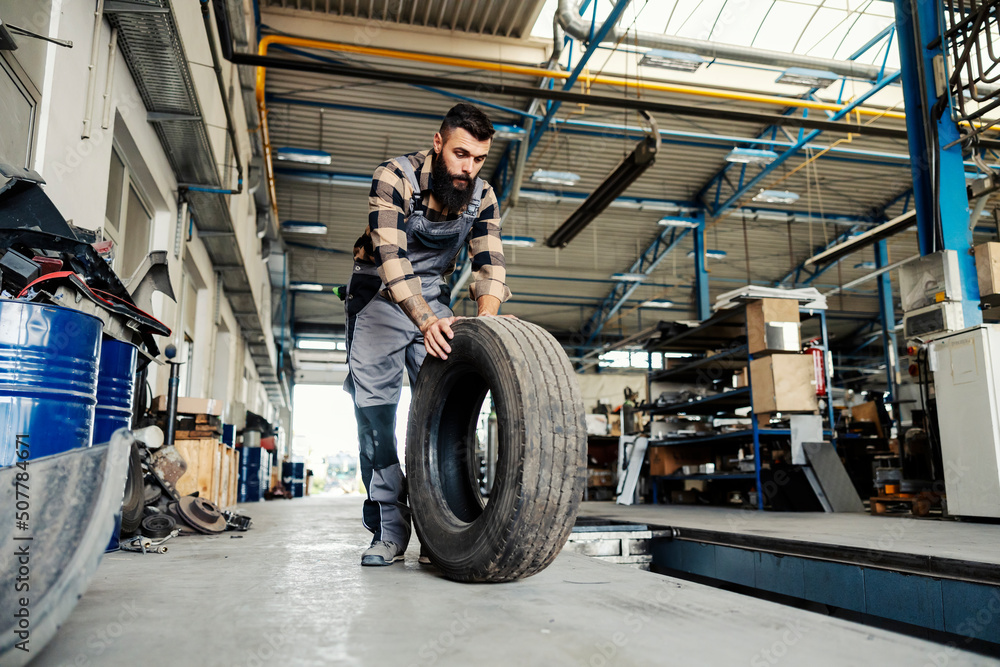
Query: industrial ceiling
column 845, row 182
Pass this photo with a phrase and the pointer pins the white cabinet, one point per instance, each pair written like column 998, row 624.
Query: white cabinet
column 966, row 369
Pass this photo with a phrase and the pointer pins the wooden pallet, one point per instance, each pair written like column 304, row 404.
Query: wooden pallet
column 920, row 504
column 213, row 470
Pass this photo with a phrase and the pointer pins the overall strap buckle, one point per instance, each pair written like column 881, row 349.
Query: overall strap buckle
column 477, row 198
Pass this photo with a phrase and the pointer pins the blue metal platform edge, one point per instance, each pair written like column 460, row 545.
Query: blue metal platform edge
column 946, row 595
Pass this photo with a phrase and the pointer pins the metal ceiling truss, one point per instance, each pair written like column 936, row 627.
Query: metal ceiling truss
column 716, row 181
column 803, row 275
column 666, row 241
column 598, row 36
column 748, row 186
column 152, row 48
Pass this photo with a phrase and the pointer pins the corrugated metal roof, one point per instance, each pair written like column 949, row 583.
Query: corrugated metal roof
column 506, row 18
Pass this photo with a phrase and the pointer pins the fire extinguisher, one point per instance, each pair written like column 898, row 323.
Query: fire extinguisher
column 819, row 369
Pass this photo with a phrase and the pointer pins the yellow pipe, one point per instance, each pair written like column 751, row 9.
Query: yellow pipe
column 586, row 78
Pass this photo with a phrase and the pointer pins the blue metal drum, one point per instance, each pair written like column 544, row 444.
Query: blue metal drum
column 115, row 389
column 48, row 378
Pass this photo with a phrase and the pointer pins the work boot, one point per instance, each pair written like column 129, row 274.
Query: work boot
column 382, row 553
column 423, row 558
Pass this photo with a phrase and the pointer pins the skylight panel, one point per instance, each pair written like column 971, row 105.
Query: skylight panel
column 783, row 25
column 863, row 30
column 739, row 23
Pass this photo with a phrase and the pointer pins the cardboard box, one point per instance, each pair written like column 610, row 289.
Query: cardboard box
column 868, row 412
column 988, row 268
column 773, row 326
column 783, row 383
column 599, row 477
column 190, row 406
column 597, row 424
column 614, row 425
column 740, row 378
column 668, row 460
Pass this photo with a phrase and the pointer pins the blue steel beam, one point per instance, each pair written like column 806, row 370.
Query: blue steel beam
column 702, row 305
column 873, row 41
column 769, row 169
column 942, row 221
column 887, row 317
column 716, row 180
column 636, row 203
column 596, row 38
column 677, row 137
column 665, row 241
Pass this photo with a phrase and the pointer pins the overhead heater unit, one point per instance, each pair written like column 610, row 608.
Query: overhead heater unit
column 625, row 174
column 678, row 61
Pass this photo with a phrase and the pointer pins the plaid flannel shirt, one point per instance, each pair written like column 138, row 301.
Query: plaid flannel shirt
column 384, row 241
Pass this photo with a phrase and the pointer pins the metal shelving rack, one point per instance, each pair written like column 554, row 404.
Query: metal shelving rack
column 723, row 328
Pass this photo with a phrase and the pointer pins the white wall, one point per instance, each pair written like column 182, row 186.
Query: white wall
column 76, row 170
column 610, row 387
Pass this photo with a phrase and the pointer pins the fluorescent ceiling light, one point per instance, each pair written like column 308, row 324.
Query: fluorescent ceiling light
column 751, row 156
column 776, row 197
column 865, row 265
column 554, row 177
column 630, row 277
column 811, row 78
column 519, row 241
column 306, row 155
column 306, row 287
column 711, row 254
column 676, row 60
column 685, row 223
column 657, row 303
column 302, row 227
column 509, row 132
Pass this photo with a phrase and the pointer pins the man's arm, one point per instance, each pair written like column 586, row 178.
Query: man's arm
column 387, row 219
column 489, row 289
column 436, row 330
column 489, row 305
column 387, row 200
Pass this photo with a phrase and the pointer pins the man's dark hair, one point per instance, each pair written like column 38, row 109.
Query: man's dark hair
column 469, row 118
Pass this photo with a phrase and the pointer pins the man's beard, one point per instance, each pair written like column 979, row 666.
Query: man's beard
column 443, row 186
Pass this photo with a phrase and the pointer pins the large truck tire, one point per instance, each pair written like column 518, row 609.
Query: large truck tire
column 541, row 454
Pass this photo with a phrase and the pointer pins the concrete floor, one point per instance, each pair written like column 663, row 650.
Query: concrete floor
column 962, row 540
column 290, row 591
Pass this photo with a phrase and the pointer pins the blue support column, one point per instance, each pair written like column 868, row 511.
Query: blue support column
column 930, row 163
column 887, row 316
column 702, row 304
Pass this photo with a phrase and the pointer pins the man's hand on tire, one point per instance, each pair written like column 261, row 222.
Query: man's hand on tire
column 436, row 337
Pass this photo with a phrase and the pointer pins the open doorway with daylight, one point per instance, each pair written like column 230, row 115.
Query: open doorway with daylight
column 326, row 436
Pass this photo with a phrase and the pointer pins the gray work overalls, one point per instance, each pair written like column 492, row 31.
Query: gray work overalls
column 381, row 341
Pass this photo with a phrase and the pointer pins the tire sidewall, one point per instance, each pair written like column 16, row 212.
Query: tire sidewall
column 454, row 544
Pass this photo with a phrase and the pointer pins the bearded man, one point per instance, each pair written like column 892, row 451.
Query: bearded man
column 423, row 208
